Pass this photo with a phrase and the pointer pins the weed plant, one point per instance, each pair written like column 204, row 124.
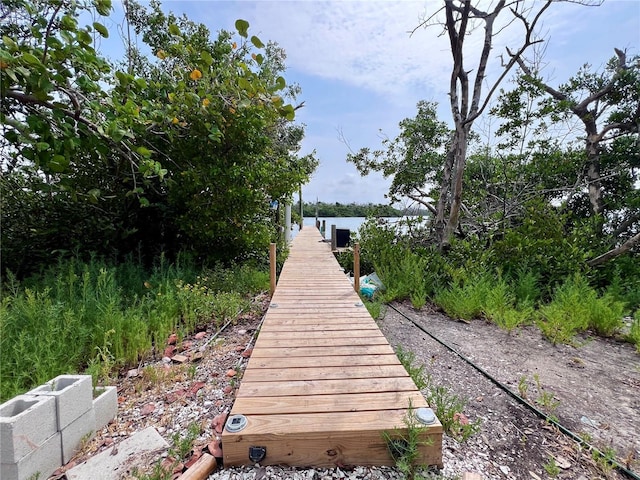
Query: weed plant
column 634, row 332
column 94, row 316
column 374, row 307
column 448, row 408
column 416, row 372
column 404, row 446
column 576, row 306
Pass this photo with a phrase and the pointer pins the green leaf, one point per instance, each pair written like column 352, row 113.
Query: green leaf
column 40, row 146
column 256, row 41
column 206, row 57
column 174, row 30
column 244, row 84
column 103, row 7
column 84, row 38
column 101, row 29
column 10, row 43
column 31, row 59
column 242, row 26
column 58, row 163
column 280, row 83
column 259, row 59
column 144, row 202
column 94, row 195
column 145, row 152
column 288, row 112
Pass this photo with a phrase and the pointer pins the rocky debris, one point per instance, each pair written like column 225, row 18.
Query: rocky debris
column 278, row 473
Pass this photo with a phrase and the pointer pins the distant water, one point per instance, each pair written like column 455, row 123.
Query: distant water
column 350, row 223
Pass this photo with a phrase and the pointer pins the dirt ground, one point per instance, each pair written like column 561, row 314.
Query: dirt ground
column 597, row 385
column 592, row 388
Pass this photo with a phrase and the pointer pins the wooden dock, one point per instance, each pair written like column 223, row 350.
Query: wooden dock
column 322, row 384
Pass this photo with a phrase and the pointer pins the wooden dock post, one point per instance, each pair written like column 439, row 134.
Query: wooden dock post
column 356, row 267
column 334, row 240
column 272, row 267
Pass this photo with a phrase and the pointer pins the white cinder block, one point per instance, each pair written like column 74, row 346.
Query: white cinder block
column 82, row 428
column 105, row 405
column 40, row 463
column 26, row 422
column 73, row 394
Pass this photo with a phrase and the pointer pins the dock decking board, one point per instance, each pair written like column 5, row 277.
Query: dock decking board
column 322, row 383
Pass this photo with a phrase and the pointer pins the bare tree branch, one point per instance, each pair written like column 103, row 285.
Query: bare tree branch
column 616, row 252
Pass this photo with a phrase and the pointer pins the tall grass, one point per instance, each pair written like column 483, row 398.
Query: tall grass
column 78, row 316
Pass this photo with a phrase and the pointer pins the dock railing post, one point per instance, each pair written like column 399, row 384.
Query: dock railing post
column 356, row 267
column 333, row 238
column 272, row 265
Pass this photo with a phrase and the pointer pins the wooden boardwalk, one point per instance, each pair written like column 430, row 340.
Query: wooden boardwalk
column 322, row 383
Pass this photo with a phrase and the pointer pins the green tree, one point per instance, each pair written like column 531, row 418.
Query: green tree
column 599, row 184
column 413, row 158
column 181, row 150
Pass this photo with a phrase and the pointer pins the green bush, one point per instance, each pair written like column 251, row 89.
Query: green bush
column 500, row 307
column 540, row 244
column 575, row 307
column 464, row 300
column 78, row 315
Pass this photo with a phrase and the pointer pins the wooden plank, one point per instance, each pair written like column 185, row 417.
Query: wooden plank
column 344, row 361
column 322, row 351
column 323, row 373
column 349, row 402
column 324, row 387
column 328, row 423
column 341, row 440
column 279, row 327
column 318, row 342
column 320, row 334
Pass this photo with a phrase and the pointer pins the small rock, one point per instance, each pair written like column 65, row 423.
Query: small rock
column 172, row 340
column 132, row 373
column 179, row 358
column 196, row 357
column 147, row 409
column 241, row 332
column 562, row 462
column 247, row 353
column 504, row 469
column 227, row 389
column 195, row 387
column 231, row 373
column 461, row 418
column 169, row 351
column 200, row 335
column 166, row 360
column 215, row 448
column 219, row 422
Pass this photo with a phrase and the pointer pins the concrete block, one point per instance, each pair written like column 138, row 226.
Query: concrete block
column 139, row 450
column 82, row 428
column 105, row 405
column 25, row 423
column 73, row 394
column 40, row 463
